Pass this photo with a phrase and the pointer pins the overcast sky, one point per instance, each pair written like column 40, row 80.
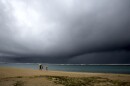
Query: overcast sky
column 65, row 31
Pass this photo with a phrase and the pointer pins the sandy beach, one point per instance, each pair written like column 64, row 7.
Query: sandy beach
column 29, row 77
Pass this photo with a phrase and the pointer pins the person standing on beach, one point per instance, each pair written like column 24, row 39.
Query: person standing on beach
column 40, row 67
column 46, row 67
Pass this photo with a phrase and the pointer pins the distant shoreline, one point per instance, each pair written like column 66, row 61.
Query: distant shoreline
column 92, row 68
column 67, row 71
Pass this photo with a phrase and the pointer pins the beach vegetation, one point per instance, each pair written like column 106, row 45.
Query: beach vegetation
column 87, row 81
column 18, row 83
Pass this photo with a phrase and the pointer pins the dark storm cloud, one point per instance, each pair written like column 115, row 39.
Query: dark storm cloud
column 64, row 30
column 113, row 57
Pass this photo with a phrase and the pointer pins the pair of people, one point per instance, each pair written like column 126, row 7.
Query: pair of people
column 41, row 67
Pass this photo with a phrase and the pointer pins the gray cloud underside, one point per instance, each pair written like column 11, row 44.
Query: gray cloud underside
column 69, row 30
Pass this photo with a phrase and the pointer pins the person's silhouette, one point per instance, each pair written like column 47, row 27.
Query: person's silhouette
column 40, row 67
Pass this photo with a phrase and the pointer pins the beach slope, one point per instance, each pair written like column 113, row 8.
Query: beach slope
column 29, row 77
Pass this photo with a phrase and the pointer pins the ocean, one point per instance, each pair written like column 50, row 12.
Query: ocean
column 118, row 69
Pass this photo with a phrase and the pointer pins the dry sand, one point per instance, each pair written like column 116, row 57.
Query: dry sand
column 12, row 76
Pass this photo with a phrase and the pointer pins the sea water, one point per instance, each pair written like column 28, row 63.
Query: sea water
column 122, row 69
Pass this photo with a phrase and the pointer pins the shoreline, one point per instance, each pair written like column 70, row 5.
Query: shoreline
column 66, row 71
column 87, row 68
